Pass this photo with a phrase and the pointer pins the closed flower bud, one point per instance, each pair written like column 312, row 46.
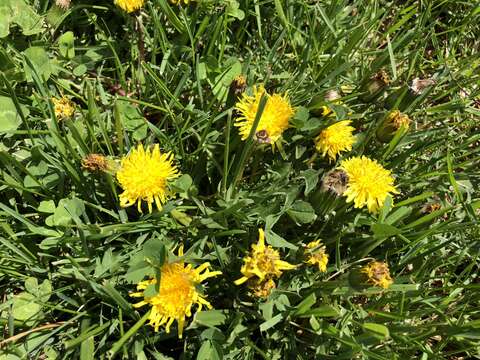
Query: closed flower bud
column 319, row 104
column 394, row 121
column 328, row 197
column 375, row 86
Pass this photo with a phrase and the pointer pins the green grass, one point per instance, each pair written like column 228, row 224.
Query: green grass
column 70, row 255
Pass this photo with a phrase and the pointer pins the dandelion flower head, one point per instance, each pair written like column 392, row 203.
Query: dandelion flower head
column 369, row 183
column 144, row 176
column 316, row 255
column 263, row 262
column 378, row 274
column 274, row 120
column 130, row 5
column 64, row 107
column 335, row 139
column 177, row 294
column 179, row 2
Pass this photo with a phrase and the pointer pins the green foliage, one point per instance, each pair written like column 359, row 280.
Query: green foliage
column 70, row 256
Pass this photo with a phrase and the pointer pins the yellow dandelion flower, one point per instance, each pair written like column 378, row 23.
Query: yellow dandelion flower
column 316, row 255
column 335, row 139
column 144, row 176
column 378, row 274
column 64, row 107
column 177, row 294
column 179, row 2
column 263, row 262
column 274, row 120
column 368, row 183
column 130, row 5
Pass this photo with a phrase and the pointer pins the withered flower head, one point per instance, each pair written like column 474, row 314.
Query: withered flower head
column 335, row 181
column 419, row 85
column 95, row 163
column 393, row 122
column 377, row 273
column 64, row 4
column 238, row 85
column 261, row 288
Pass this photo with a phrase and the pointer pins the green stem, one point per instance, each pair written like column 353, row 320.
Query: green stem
column 119, row 344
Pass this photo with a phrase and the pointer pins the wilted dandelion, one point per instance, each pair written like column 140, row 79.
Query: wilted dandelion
column 263, row 288
column 263, row 262
column 368, row 183
column 64, row 107
column 335, row 181
column 130, row 5
column 144, row 176
column 335, row 139
column 419, row 85
column 177, row 294
column 315, row 253
column 238, row 85
column 95, row 162
column 394, row 121
column 64, row 4
column 377, row 274
column 274, row 120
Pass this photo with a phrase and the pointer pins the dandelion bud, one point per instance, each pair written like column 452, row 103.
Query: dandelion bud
column 393, row 122
column 328, row 197
column 319, row 104
column 375, row 86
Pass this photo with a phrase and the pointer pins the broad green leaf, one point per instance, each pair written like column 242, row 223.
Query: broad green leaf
column 40, row 61
column 25, row 306
column 66, row 45
column 210, row 317
column 302, row 212
column 277, row 241
column 131, row 118
column 322, row 311
column 271, row 322
column 47, row 206
column 10, row 120
column 377, row 329
column 19, row 13
column 384, row 230
column 305, row 304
